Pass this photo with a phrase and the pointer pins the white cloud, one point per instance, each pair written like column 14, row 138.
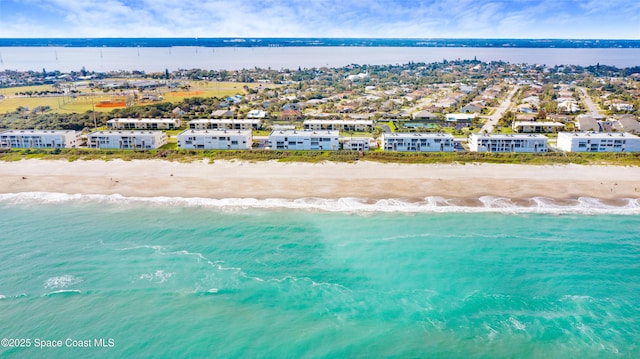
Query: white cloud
column 322, row 18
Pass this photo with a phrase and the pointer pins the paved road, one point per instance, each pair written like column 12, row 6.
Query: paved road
column 587, row 100
column 492, row 121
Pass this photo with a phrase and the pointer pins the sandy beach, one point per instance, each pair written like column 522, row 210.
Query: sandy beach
column 224, row 179
column 369, row 180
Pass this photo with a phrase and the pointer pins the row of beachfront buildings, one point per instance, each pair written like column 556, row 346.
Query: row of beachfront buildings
column 242, row 139
column 232, row 124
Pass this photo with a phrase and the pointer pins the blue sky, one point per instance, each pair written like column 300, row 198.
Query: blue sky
column 593, row 19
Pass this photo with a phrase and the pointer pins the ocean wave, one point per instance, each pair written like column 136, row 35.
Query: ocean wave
column 62, row 292
column 431, row 204
column 61, row 282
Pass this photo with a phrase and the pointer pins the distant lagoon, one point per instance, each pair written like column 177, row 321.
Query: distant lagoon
column 154, row 59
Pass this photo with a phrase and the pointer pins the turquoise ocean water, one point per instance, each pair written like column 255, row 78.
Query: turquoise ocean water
column 166, row 279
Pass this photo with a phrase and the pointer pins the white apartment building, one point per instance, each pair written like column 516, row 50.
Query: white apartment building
column 216, row 139
column 536, row 126
column 598, row 142
column 508, row 143
column 304, row 140
column 460, row 117
column 40, row 139
column 356, row 144
column 139, row 140
column 225, row 123
column 340, row 125
column 144, row 123
column 418, row 142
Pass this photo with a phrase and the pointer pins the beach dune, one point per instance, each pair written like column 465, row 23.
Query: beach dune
column 367, row 180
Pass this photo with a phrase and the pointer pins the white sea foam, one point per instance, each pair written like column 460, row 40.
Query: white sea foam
column 62, row 291
column 517, row 324
column 60, row 282
column 158, row 276
column 433, row 204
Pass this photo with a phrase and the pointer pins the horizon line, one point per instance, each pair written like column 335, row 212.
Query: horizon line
column 321, row 37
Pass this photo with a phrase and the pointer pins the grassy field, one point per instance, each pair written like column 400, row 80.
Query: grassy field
column 177, row 96
column 81, row 104
column 11, row 91
column 58, row 104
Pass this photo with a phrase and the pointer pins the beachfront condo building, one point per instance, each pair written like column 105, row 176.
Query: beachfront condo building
column 144, row 123
column 531, row 143
column 125, row 140
column 356, row 144
column 304, row 140
column 40, row 139
column 340, row 125
column 598, row 142
column 418, row 142
column 225, row 123
column 536, row 126
column 216, row 139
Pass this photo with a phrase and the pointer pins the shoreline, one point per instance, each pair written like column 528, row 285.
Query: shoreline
column 364, row 180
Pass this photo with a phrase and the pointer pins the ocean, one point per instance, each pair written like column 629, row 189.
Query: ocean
column 157, row 59
column 109, row 276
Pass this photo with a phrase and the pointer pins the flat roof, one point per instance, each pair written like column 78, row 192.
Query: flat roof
column 418, row 134
column 510, row 136
column 338, row 121
column 305, row 132
column 36, row 132
column 215, row 132
column 357, row 139
column 151, row 120
column 225, row 120
column 116, row 132
column 598, row 135
column 537, row 123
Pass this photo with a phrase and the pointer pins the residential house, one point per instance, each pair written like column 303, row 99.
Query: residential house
column 424, row 115
column 455, row 119
column 587, row 123
column 178, row 111
column 222, row 114
column 256, row 114
column 618, row 105
column 290, row 115
column 471, row 108
column 568, row 106
column 627, row 123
